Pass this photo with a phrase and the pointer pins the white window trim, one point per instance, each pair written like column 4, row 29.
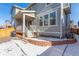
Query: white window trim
column 56, row 19
column 48, row 12
column 49, row 19
column 42, row 20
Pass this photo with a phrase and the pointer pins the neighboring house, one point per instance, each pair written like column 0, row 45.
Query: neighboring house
column 7, row 23
column 45, row 18
column 78, row 23
column 71, row 23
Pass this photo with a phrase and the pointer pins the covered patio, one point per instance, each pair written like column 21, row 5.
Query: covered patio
column 24, row 19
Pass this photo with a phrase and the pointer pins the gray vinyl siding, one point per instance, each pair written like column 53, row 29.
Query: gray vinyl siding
column 66, row 27
column 40, row 8
column 52, row 28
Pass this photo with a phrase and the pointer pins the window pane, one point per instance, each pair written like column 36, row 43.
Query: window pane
column 41, row 21
column 46, row 20
column 53, row 18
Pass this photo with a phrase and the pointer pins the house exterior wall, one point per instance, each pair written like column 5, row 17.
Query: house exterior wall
column 43, row 9
column 66, row 23
column 19, row 25
column 53, row 28
column 14, row 11
column 30, row 14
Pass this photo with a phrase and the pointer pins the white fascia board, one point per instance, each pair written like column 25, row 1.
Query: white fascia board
column 28, row 11
column 18, row 7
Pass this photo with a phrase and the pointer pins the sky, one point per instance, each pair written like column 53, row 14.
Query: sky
column 75, row 12
column 5, row 9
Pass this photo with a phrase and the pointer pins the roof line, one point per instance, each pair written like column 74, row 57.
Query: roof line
column 30, row 5
column 18, row 7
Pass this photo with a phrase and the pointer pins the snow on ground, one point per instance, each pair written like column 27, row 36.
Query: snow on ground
column 19, row 48
column 10, row 49
column 16, row 47
column 30, row 49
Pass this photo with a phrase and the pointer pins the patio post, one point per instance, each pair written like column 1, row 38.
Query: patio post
column 23, row 25
column 61, row 19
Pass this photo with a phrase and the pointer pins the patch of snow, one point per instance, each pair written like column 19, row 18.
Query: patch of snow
column 16, row 47
column 30, row 49
column 10, row 49
column 20, row 48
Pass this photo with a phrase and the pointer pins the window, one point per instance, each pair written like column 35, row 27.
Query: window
column 48, row 19
column 53, row 18
column 45, row 20
column 41, row 21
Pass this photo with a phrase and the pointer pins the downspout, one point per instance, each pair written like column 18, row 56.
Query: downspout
column 66, row 23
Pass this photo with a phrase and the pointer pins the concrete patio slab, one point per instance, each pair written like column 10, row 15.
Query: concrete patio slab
column 72, row 50
column 50, row 39
column 54, row 51
column 51, row 52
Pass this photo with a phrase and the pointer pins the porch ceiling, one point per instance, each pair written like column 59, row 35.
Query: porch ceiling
column 29, row 15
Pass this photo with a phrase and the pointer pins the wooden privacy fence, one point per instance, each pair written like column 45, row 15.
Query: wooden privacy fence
column 75, row 30
column 6, row 32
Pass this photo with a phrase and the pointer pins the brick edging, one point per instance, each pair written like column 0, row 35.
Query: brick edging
column 51, row 43
column 48, row 43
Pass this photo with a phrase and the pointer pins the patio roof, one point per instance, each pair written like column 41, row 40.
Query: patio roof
column 29, row 14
